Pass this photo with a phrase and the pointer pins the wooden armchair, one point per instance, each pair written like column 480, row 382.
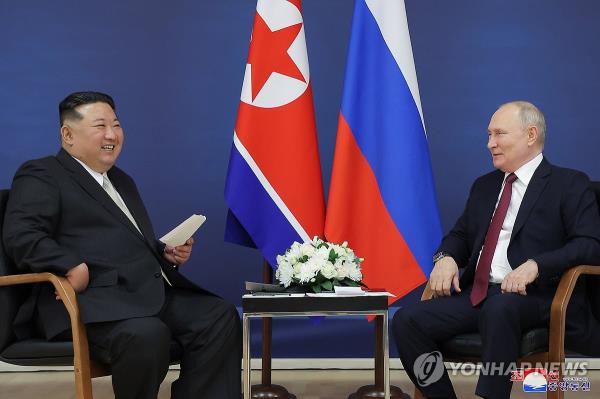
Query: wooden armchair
column 539, row 345
column 38, row 351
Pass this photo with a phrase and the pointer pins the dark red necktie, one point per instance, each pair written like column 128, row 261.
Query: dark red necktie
column 482, row 274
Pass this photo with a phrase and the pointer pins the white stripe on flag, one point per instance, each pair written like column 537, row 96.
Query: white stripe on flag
column 269, row 189
column 390, row 16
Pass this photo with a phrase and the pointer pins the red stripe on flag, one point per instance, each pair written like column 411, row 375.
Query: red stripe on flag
column 356, row 213
column 297, row 3
column 283, row 143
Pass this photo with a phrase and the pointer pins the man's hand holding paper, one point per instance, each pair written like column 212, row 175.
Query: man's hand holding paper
column 180, row 254
column 179, row 241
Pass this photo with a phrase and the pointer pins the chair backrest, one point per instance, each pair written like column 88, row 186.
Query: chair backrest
column 593, row 282
column 10, row 297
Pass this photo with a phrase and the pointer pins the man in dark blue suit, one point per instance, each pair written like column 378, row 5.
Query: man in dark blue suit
column 523, row 225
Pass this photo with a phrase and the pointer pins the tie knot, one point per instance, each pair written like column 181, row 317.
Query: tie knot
column 105, row 179
column 511, row 178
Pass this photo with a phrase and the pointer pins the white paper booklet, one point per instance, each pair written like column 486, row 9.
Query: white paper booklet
column 180, row 234
column 348, row 291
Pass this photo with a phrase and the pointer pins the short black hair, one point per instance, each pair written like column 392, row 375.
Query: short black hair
column 66, row 108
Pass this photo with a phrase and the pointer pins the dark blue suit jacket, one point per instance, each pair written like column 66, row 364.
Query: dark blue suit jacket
column 57, row 217
column 558, row 226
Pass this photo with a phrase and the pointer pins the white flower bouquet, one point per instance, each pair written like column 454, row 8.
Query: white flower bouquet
column 319, row 265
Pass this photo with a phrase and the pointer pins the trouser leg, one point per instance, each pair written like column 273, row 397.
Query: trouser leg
column 418, row 330
column 137, row 351
column 502, row 321
column 209, row 330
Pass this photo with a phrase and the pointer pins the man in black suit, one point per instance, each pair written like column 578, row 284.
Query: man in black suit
column 523, row 225
column 78, row 215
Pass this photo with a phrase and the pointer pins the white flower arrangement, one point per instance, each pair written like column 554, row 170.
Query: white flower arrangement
column 319, row 265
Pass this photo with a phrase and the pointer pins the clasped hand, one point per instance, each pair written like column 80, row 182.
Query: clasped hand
column 444, row 276
column 516, row 281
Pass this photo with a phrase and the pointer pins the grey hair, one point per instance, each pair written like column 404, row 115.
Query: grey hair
column 530, row 116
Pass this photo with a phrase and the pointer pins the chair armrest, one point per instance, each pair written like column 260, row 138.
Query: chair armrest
column 81, row 356
column 61, row 285
column 427, row 292
column 558, row 310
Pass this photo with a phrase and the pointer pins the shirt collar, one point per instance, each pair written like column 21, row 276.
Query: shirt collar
column 525, row 172
column 99, row 177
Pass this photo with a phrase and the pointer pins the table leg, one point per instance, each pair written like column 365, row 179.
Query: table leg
column 382, row 387
column 246, row 350
column 386, row 358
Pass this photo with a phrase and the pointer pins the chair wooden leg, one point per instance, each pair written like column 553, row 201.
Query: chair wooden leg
column 81, row 362
column 556, row 356
column 83, row 378
column 558, row 394
column 553, row 358
column 83, row 386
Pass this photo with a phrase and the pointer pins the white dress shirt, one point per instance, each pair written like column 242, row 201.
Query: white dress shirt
column 500, row 266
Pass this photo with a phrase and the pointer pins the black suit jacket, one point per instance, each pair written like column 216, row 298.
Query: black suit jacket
column 58, row 216
column 557, row 225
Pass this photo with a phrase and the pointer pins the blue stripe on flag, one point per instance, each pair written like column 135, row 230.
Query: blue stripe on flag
column 235, row 232
column 383, row 116
column 256, row 210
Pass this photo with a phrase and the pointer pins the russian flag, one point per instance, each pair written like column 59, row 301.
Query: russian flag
column 382, row 195
column 274, row 187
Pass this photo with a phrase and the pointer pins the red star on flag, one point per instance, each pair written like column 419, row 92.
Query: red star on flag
column 268, row 53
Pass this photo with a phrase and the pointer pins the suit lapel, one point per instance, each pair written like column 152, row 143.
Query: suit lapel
column 532, row 194
column 91, row 186
column 134, row 204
